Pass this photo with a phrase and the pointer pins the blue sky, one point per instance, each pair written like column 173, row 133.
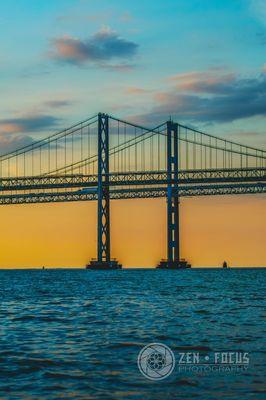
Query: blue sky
column 201, row 61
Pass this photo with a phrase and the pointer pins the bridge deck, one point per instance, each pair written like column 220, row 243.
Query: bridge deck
column 133, row 193
column 133, row 178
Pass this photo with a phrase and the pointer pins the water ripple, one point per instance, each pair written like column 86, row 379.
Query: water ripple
column 71, row 334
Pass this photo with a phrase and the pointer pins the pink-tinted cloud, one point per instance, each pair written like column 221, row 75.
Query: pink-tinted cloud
column 228, row 100
column 136, row 90
column 202, row 81
column 28, row 123
column 100, row 48
column 16, row 132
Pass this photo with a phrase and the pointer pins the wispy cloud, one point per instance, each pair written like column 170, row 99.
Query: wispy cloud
column 198, row 98
column 211, row 81
column 16, row 132
column 132, row 90
column 57, row 103
column 9, row 143
column 102, row 47
column 28, row 123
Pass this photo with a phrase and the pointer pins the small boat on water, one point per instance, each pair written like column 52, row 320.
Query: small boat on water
column 225, row 265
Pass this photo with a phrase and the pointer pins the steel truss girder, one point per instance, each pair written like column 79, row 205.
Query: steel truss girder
column 136, row 193
column 133, row 178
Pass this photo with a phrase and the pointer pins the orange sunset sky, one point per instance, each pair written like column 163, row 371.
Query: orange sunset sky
column 202, row 63
column 64, row 235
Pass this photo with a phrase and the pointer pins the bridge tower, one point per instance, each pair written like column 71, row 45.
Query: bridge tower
column 103, row 261
column 173, row 260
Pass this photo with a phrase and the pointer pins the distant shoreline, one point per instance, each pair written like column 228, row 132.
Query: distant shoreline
column 124, row 268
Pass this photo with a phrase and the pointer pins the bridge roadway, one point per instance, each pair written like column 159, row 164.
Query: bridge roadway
column 186, row 177
column 89, row 194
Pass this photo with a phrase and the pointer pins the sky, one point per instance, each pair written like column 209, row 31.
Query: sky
column 202, row 62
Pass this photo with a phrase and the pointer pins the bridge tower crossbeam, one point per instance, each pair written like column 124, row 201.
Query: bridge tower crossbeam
column 103, row 261
column 173, row 260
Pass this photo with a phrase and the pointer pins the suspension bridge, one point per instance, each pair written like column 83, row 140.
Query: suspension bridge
column 105, row 158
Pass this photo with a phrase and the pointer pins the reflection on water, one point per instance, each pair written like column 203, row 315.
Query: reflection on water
column 76, row 334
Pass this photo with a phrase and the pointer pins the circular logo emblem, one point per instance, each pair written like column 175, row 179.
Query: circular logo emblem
column 156, row 361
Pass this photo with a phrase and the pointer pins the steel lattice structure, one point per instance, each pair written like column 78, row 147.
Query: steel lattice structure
column 104, row 158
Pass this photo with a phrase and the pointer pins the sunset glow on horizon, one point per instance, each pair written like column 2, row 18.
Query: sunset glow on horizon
column 64, row 235
column 64, row 61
